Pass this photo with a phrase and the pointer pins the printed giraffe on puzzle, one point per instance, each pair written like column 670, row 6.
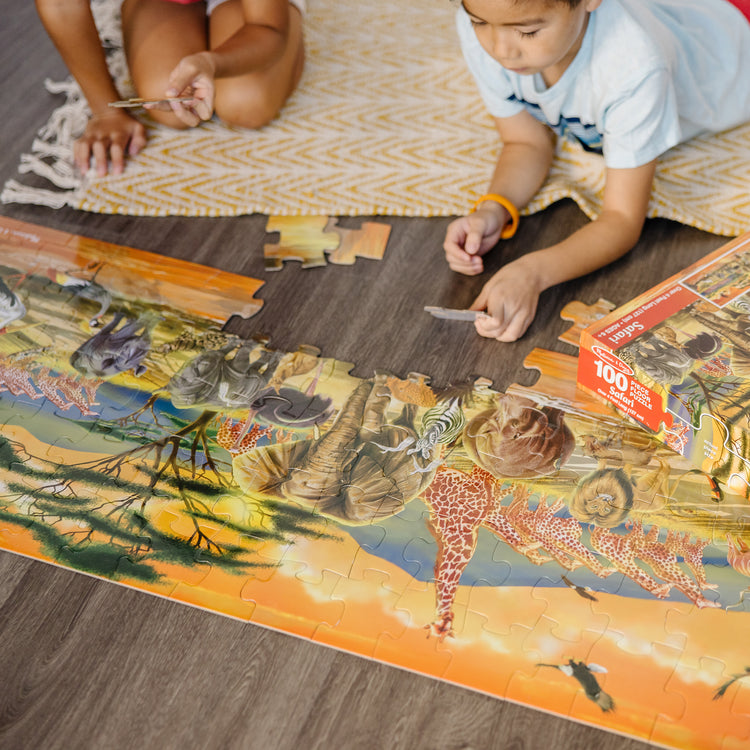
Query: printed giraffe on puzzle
column 461, row 503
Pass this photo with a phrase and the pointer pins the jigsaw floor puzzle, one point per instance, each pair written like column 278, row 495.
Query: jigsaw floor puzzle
column 529, row 544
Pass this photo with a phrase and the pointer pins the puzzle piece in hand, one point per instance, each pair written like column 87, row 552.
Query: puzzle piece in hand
column 582, row 316
column 309, row 238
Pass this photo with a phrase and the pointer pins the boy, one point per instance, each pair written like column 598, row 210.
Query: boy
column 239, row 58
column 627, row 78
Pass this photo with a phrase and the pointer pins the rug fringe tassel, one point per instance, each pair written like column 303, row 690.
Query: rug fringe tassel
column 15, row 192
column 50, row 156
column 59, row 173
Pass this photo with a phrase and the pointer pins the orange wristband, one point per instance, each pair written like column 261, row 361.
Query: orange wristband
column 510, row 228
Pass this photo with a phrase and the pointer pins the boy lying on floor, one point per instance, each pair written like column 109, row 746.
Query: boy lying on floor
column 627, row 78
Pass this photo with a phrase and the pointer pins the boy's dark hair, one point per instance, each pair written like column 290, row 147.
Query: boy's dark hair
column 571, row 3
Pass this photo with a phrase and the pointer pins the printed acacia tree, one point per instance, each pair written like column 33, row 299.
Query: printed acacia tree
column 102, row 514
column 97, row 517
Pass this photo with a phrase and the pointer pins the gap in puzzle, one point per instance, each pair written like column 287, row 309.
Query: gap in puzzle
column 530, row 544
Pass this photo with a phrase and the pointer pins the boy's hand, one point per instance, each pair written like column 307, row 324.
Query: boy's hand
column 510, row 298
column 470, row 237
column 108, row 137
column 193, row 76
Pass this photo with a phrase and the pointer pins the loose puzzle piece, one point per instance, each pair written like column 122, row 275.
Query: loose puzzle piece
column 309, row 238
column 302, row 238
column 531, row 544
column 582, row 316
column 97, row 266
column 367, row 242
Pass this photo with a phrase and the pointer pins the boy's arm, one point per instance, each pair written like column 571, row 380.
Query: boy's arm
column 527, row 150
column 71, row 27
column 617, row 228
column 511, row 295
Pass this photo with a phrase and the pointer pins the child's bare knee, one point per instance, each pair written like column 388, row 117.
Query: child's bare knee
column 247, row 108
column 169, row 119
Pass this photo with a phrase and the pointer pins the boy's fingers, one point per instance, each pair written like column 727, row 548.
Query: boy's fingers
column 488, row 327
column 518, row 323
column 454, row 237
column 515, row 329
column 480, row 303
column 473, row 241
column 469, row 265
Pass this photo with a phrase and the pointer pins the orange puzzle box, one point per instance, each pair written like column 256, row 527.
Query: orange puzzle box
column 677, row 360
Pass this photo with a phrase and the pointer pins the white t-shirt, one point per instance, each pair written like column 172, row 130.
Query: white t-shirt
column 649, row 75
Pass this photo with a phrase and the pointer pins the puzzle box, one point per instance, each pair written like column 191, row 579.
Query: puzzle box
column 677, row 360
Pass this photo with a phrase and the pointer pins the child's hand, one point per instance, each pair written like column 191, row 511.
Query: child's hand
column 193, row 76
column 108, row 137
column 470, row 237
column 510, row 298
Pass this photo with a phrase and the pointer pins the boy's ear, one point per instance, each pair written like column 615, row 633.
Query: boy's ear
column 592, row 5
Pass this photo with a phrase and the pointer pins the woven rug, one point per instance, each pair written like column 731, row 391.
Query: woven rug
column 386, row 121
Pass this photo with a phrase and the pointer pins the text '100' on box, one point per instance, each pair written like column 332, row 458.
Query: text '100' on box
column 677, row 360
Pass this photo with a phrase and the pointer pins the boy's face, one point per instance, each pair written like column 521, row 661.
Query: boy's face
column 530, row 36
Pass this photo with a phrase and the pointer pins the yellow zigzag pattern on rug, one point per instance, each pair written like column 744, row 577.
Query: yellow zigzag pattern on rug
column 386, row 121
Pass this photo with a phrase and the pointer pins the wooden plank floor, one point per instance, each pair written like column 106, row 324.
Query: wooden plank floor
column 84, row 663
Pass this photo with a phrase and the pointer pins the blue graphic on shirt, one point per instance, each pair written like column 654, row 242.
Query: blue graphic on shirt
column 567, row 127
